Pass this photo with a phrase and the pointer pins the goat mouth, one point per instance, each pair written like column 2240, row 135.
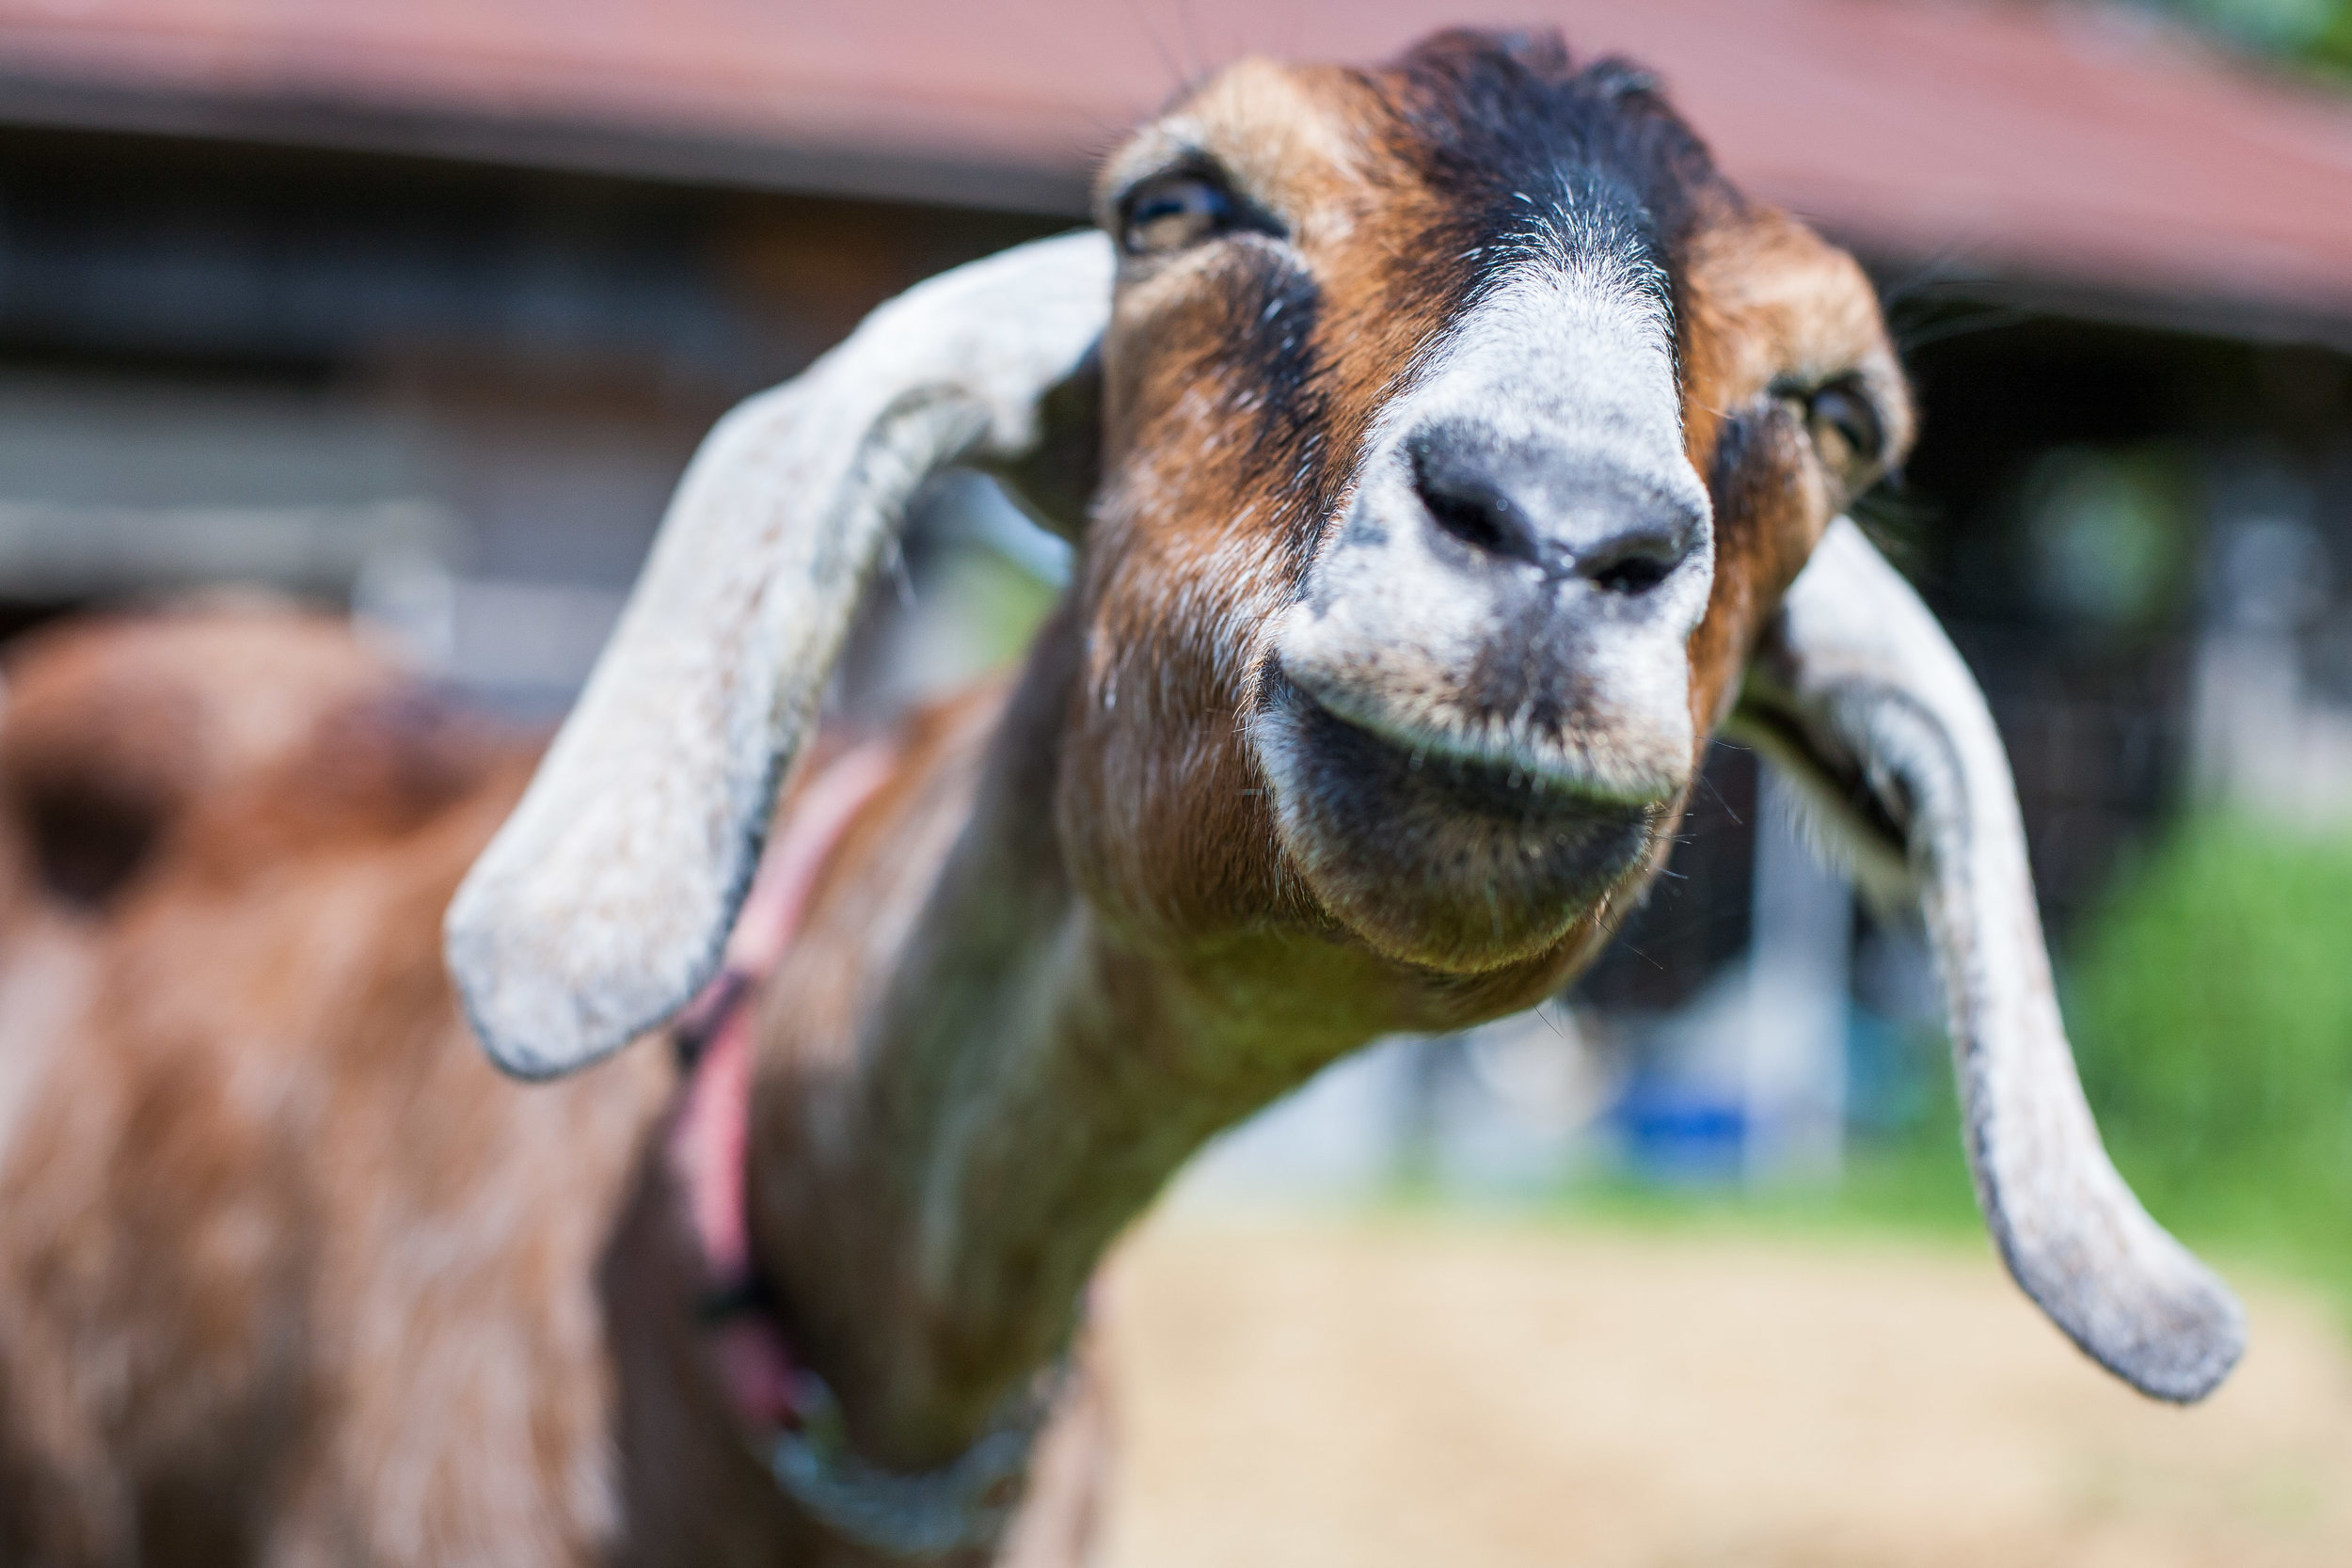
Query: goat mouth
column 1441, row 856
column 1514, row 773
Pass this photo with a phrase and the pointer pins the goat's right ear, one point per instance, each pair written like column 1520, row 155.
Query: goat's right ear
column 603, row 904
column 1859, row 695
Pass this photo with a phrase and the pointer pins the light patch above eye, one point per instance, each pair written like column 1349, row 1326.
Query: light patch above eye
column 1172, row 210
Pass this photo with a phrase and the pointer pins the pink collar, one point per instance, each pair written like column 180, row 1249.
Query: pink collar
column 709, row 1137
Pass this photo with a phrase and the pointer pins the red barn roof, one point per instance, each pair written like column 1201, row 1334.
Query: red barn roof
column 2056, row 147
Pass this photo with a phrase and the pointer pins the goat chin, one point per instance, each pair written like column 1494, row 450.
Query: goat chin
column 1456, row 863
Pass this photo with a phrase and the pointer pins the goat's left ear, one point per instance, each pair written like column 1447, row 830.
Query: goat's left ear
column 1857, row 692
column 603, row 904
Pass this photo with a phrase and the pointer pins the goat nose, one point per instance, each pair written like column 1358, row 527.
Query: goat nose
column 1564, row 513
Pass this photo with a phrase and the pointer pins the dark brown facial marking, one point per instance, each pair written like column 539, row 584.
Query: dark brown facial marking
column 1462, row 424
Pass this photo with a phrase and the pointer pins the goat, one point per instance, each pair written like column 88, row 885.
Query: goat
column 1448, row 451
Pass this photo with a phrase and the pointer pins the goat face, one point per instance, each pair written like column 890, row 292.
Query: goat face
column 1458, row 420
column 1468, row 452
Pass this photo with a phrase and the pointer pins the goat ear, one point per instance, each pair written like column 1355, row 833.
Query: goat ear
column 602, row 904
column 1857, row 691
column 1055, row 481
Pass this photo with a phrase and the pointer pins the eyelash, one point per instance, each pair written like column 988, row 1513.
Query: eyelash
column 1174, row 196
column 1862, row 428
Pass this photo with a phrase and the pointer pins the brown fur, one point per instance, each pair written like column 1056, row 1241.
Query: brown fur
column 253, row 1300
column 289, row 1275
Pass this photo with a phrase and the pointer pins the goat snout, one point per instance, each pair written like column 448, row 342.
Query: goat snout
column 1479, row 710
column 1515, row 601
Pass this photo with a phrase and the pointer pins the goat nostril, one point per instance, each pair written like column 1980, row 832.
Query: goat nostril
column 1630, row 574
column 1477, row 514
column 1634, row 562
column 1482, row 522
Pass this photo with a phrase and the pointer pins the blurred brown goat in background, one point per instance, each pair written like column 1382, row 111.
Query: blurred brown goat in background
column 1444, row 446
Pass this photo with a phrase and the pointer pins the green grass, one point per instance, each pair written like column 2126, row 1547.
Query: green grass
column 1914, row 1186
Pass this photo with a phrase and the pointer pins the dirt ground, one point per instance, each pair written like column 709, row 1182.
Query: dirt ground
column 1372, row 1393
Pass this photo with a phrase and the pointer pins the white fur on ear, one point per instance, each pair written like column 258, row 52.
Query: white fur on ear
column 1860, row 694
column 602, row 905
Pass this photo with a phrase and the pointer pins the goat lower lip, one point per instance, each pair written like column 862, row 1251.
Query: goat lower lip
column 1454, row 863
column 1455, row 778
column 1514, row 786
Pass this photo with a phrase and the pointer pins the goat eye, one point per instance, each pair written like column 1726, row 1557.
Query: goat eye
column 1840, row 417
column 1173, row 212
